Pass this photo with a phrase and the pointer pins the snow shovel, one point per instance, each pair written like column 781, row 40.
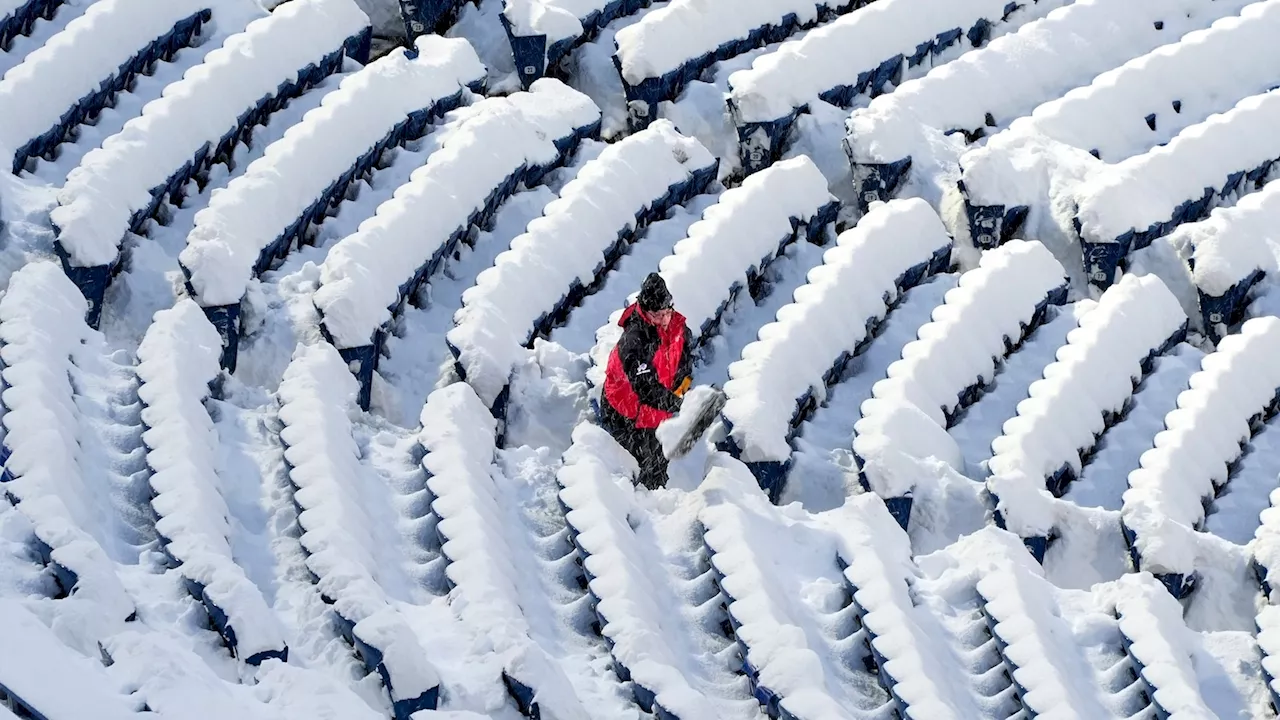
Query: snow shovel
column 679, row 433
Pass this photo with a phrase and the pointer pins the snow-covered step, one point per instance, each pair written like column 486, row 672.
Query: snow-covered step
column 459, row 436
column 543, row 32
column 785, row 374
column 803, row 648
column 198, row 123
column 484, row 154
column 860, row 56
column 1230, row 253
column 671, row 46
column 82, row 69
column 1131, row 203
column 983, row 320
column 564, row 255
column 317, row 399
column 1124, row 112
column 1236, row 390
column 177, row 366
column 1090, row 386
column 267, row 211
column 898, row 140
column 42, row 337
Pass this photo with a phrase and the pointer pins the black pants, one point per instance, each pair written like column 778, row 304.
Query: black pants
column 642, row 443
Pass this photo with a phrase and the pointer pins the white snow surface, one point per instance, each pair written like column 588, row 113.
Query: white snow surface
column 828, row 317
column 566, row 246
column 256, row 207
column 1233, row 241
column 557, row 19
column 115, row 180
column 482, row 146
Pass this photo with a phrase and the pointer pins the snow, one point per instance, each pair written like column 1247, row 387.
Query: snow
column 557, row 19
column 567, row 248
column 739, row 235
column 115, row 181
column 1233, row 242
column 1091, row 381
column 839, row 54
column 295, row 172
column 482, row 149
column 829, row 316
column 71, row 65
column 1203, row 437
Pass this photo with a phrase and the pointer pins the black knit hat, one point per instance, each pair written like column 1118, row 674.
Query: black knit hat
column 654, row 295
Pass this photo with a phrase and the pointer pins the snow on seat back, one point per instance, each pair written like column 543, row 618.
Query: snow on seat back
column 876, row 555
column 671, row 46
column 1086, row 390
column 42, row 330
column 860, row 55
column 532, row 287
column 177, row 363
column 898, row 139
column 1135, row 201
column 20, row 18
column 596, row 490
column 459, row 436
column 784, row 374
column 261, row 215
column 198, row 122
column 317, row 397
column 1231, row 252
column 79, row 71
column 1235, row 390
column 1122, row 113
column 542, row 32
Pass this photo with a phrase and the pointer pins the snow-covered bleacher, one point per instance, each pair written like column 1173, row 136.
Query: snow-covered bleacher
column 898, row 138
column 1237, row 388
column 565, row 255
column 861, row 55
column 596, row 490
column 198, row 123
column 42, row 333
column 1230, row 254
column 542, row 32
column 1147, row 196
column 956, row 356
column 671, row 46
column 784, row 375
column 79, row 71
column 1122, row 113
column 266, row 212
column 19, row 17
column 1083, row 393
column 459, row 436
column 177, row 366
column 487, row 152
column 317, row 397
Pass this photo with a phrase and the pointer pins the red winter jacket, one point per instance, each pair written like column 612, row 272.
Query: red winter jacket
column 646, row 366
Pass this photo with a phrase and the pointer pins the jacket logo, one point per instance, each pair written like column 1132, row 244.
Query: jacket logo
column 644, row 368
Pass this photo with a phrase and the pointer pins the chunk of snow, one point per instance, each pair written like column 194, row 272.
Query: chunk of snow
column 1233, row 241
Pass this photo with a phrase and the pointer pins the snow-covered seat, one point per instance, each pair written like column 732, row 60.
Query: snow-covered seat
column 1135, row 201
column 199, row 121
column 563, row 256
column 459, row 436
column 42, row 334
column 19, row 17
column 783, row 376
column 1086, row 390
column 1123, row 112
column 1235, row 392
column 79, row 71
column 486, row 152
column 957, row 354
column 671, row 46
column 595, row 485
column 263, row 214
column 898, row 138
column 1268, row 634
column 543, row 32
column 317, row 397
column 861, row 55
column 177, row 365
